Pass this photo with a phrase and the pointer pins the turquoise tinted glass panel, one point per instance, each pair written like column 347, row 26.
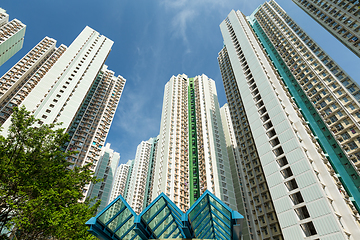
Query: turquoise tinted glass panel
column 152, row 211
column 199, row 206
column 218, row 229
column 226, row 212
column 163, row 225
column 125, row 227
column 159, row 218
column 130, row 235
column 203, row 225
column 203, row 232
column 168, row 231
column 111, row 211
column 174, row 212
column 199, row 218
column 120, row 219
column 223, row 225
column 209, row 235
column 176, row 234
column 218, row 236
column 221, row 216
column 137, row 238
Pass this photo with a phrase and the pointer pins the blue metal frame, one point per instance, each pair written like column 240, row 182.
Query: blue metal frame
column 174, row 212
column 101, row 229
column 218, row 214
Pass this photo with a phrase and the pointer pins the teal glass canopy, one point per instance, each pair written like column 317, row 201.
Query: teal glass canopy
column 208, row 218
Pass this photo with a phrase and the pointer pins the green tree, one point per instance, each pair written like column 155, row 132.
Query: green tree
column 39, row 195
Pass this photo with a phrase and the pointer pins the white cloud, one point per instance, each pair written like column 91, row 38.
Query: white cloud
column 180, row 22
column 185, row 12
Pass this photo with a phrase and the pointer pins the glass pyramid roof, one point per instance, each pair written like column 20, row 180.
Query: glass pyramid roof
column 208, row 218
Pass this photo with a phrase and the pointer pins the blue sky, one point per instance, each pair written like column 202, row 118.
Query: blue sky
column 153, row 40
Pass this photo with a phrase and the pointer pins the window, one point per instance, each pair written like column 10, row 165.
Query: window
column 351, row 107
column 282, row 161
column 340, row 114
column 339, row 92
column 302, row 212
column 339, row 127
column 291, row 185
column 345, row 136
column 328, row 111
column 278, row 151
column 287, row 172
column 323, row 104
column 296, row 198
column 333, row 119
column 345, row 99
column 308, row 228
column 352, row 145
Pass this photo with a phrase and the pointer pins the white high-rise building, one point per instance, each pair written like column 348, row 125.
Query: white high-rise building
column 191, row 155
column 138, row 187
column 120, row 183
column 91, row 123
column 295, row 178
column 340, row 17
column 62, row 89
column 11, row 36
column 20, row 80
column 106, row 170
column 71, row 86
column 234, row 159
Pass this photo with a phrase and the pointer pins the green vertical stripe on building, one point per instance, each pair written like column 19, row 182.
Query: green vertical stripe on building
column 194, row 188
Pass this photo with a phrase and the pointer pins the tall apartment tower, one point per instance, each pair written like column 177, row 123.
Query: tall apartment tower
column 148, row 195
column 20, row 80
column 234, row 160
column 297, row 177
column 106, row 170
column 11, row 36
column 332, row 103
column 71, row 86
column 134, row 180
column 120, row 182
column 137, row 182
column 340, row 17
column 192, row 154
column 91, row 123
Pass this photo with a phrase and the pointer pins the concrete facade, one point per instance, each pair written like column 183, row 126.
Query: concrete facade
column 303, row 193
